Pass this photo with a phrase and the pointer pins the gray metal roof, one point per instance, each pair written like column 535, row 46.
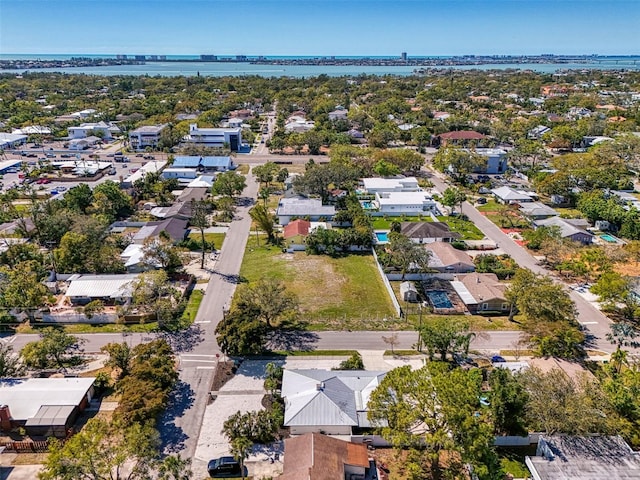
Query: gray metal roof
column 51, row 415
column 101, row 286
column 321, row 397
column 304, row 206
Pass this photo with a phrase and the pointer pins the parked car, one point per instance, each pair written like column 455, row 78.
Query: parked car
column 50, row 155
column 139, row 155
column 224, row 467
column 497, row 359
column 481, row 201
column 62, row 189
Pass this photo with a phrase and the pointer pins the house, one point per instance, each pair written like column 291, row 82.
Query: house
column 508, row 195
column 155, row 166
column 408, row 292
column 447, row 259
column 204, row 164
column 215, row 137
column 375, row 185
column 298, row 124
column 183, row 175
column 85, row 130
column 428, row 232
column 537, row 132
column 43, row 406
column 441, row 116
column 147, row 136
column 405, row 203
column 481, row 292
column 111, row 289
column 333, row 402
column 78, row 144
column 134, row 261
column 203, row 181
column 309, row 208
column 10, row 141
column 175, row 226
column 314, row 456
column 295, row 234
column 627, row 198
column 340, row 113
column 593, row 457
column 496, row 160
column 536, row 211
column 355, row 134
column 567, row 228
column 32, row 130
column 461, row 137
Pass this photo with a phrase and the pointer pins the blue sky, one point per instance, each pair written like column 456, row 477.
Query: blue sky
column 320, row 27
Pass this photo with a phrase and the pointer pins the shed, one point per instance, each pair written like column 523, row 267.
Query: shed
column 408, row 292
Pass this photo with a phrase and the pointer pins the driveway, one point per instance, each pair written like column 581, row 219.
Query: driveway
column 19, row 472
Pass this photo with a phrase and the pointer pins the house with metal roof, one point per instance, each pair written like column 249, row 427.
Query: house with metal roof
column 568, row 229
column 204, row 164
column 508, row 195
column 332, row 402
column 149, row 167
column 311, row 209
column 375, row 185
column 536, row 211
column 111, row 289
column 592, row 457
column 447, row 259
column 43, row 406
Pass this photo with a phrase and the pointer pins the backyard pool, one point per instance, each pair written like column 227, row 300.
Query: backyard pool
column 608, row 238
column 367, row 205
column 382, row 237
column 439, row 299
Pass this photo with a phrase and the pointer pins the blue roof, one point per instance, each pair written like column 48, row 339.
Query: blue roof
column 195, row 161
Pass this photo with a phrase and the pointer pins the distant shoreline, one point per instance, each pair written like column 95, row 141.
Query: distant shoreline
column 468, row 60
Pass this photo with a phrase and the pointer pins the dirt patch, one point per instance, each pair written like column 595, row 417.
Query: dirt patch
column 29, row 459
column 630, row 269
column 224, row 372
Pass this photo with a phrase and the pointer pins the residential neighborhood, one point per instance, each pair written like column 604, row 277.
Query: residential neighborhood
column 340, row 277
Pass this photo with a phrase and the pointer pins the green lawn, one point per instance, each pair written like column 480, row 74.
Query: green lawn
column 465, row 228
column 569, row 212
column 382, row 223
column 334, row 293
column 516, row 222
column 190, row 312
column 216, row 238
column 243, row 168
column 490, row 206
column 86, row 328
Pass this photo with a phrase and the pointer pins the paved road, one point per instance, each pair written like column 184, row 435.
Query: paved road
column 198, row 348
column 589, row 316
column 330, row 340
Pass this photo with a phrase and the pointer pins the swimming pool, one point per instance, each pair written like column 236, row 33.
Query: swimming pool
column 368, row 205
column 382, row 237
column 609, row 238
column 439, row 299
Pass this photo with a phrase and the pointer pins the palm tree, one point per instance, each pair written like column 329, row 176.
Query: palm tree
column 260, row 214
column 240, row 449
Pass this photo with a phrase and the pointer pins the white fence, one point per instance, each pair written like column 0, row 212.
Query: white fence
column 97, row 319
column 387, row 285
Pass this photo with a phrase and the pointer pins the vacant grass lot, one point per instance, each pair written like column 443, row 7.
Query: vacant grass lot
column 216, row 238
column 334, row 293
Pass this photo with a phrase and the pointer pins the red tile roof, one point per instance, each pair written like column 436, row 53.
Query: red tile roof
column 297, row 227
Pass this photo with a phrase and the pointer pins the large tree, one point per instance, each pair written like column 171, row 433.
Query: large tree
column 270, row 300
column 407, row 255
column 103, row 451
column 200, row 221
column 458, row 163
column 434, row 410
column 446, row 336
column 452, row 197
column 10, row 365
column 264, row 221
column 229, row 184
column 56, row 348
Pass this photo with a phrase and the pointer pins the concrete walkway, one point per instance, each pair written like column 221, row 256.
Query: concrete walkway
column 377, row 361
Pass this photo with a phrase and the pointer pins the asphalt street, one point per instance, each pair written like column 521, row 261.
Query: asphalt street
column 592, row 319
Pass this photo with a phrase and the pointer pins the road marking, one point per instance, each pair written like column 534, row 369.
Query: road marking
column 197, row 355
column 203, row 321
column 199, row 361
column 588, row 323
column 206, row 368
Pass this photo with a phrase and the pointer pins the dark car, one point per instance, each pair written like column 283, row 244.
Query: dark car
column 224, row 467
column 497, row 359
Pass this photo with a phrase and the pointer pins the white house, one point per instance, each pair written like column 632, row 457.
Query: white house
column 339, row 113
column 298, row 124
column 375, row 185
column 85, row 130
column 508, row 195
column 32, row 130
column 149, row 167
column 309, row 208
column 215, row 137
column 405, row 203
column 329, row 401
column 145, row 136
column 83, row 289
column 184, row 175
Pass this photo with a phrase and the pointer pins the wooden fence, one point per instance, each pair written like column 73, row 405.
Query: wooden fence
column 41, row 446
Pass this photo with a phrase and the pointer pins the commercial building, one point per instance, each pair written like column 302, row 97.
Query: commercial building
column 11, row 140
column 215, row 137
column 204, row 164
column 90, row 129
column 146, row 136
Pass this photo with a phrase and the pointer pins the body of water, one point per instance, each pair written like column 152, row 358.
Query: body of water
column 220, row 69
